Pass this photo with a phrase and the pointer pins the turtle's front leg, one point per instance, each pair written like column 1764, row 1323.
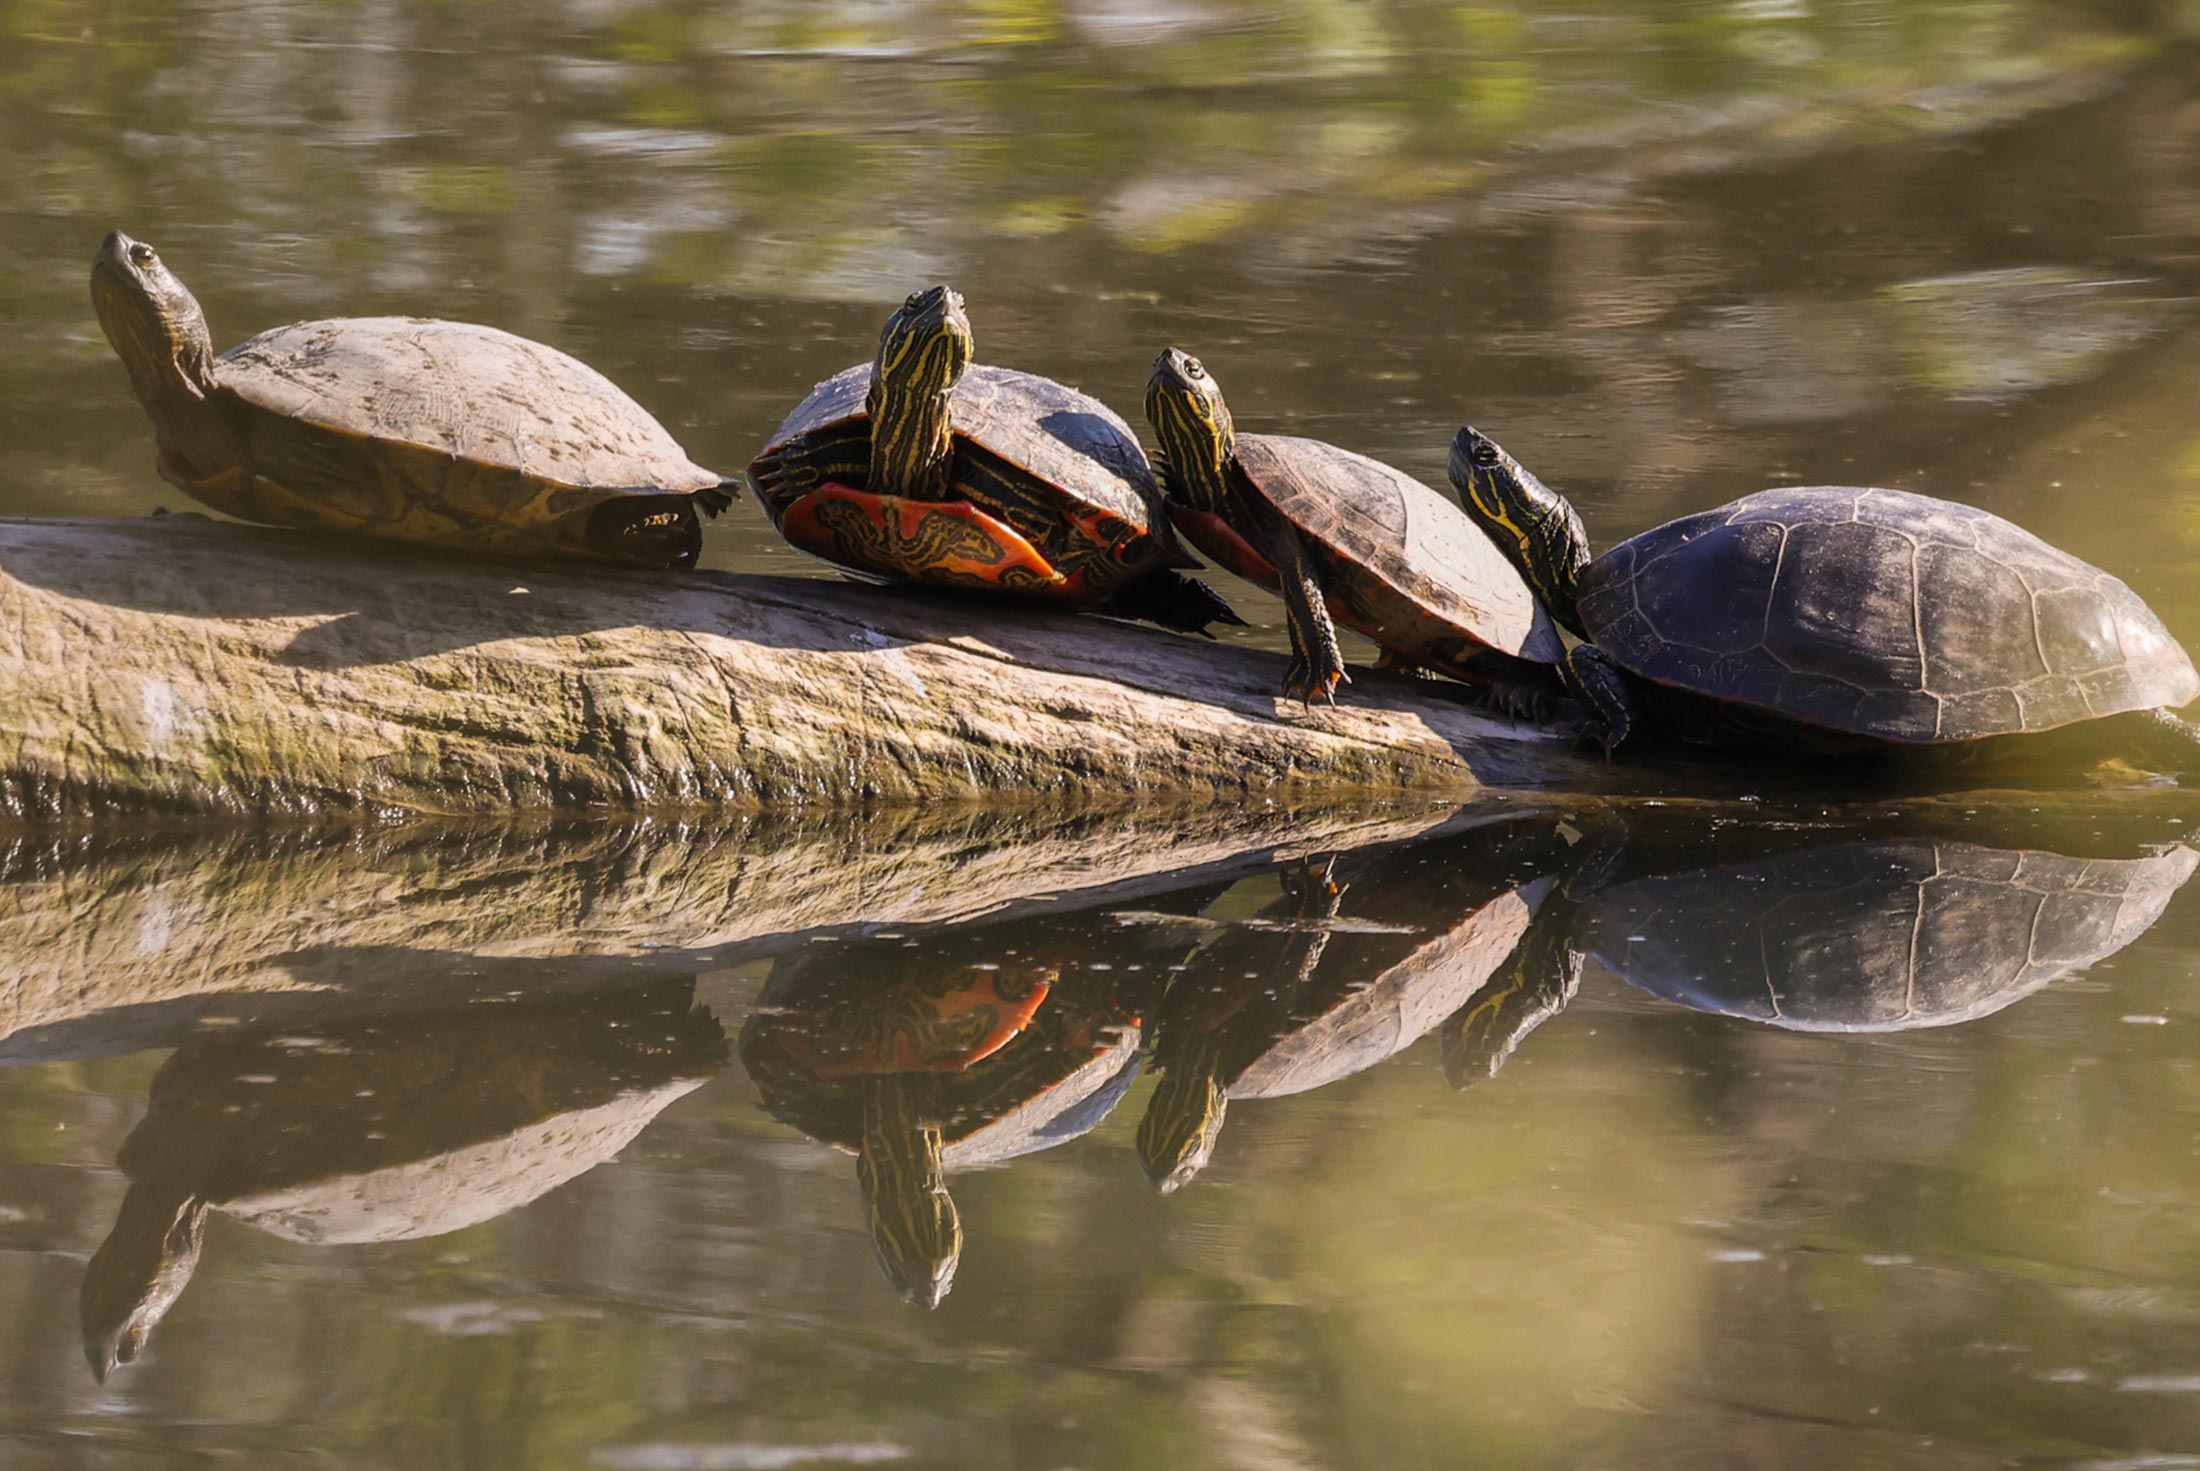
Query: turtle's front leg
column 1608, row 705
column 1317, row 664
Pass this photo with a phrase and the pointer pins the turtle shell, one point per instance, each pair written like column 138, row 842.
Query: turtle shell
column 1060, row 467
column 1876, row 936
column 1880, row 614
column 1405, row 566
column 447, row 432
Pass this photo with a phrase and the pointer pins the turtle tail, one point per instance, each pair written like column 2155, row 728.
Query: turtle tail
column 1174, row 601
column 716, row 500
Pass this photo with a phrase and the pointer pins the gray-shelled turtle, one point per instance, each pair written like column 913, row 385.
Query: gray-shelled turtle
column 447, row 433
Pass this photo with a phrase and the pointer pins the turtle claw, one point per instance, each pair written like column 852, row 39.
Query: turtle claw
column 1301, row 684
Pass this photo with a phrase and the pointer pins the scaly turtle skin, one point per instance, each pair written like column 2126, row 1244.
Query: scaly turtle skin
column 439, row 432
column 1836, row 619
column 924, row 467
column 973, row 1045
column 1342, row 536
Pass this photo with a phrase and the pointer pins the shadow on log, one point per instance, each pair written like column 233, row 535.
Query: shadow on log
column 176, row 664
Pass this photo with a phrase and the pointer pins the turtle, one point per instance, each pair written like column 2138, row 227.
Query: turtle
column 448, row 433
column 1842, row 620
column 1305, row 995
column 399, row 1127
column 955, row 1047
column 1344, row 537
column 924, row 466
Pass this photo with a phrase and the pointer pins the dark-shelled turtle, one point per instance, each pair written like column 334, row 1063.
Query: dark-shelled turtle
column 926, row 467
column 1303, row 994
column 406, row 1126
column 947, row 1048
column 1342, row 536
column 441, row 432
column 1836, row 619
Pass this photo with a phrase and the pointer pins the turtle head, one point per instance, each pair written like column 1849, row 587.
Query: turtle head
column 158, row 330
column 151, row 318
column 1532, row 524
column 916, row 1232
column 1184, row 405
column 922, row 354
column 137, row 1274
column 1183, row 1118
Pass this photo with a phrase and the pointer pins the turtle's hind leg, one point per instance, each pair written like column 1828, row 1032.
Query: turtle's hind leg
column 1174, row 601
column 2170, row 741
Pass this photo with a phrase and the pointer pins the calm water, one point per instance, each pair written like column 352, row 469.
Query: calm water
column 1726, row 1133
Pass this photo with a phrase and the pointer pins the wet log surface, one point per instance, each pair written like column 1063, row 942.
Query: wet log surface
column 178, row 664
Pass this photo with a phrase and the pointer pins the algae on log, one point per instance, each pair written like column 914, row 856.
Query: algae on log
column 179, row 664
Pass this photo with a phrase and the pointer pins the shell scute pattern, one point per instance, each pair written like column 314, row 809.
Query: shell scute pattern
column 464, row 392
column 1372, row 521
column 1885, row 613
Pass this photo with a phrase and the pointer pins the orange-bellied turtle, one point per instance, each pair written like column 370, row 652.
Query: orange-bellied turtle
column 923, row 466
column 441, row 432
column 1340, row 535
column 1832, row 618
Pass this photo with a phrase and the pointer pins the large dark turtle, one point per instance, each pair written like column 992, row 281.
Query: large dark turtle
column 1342, row 536
column 1304, row 995
column 1833, row 618
column 396, row 1128
column 924, row 467
column 954, row 1047
column 441, row 432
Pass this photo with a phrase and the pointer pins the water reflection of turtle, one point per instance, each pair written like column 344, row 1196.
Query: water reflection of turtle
column 923, row 466
column 950, row 1048
column 1836, row 618
column 1874, row 936
column 1306, row 993
column 1815, row 934
column 442, row 432
column 388, row 1130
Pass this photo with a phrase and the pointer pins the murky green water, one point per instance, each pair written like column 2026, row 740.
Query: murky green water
column 1815, row 1136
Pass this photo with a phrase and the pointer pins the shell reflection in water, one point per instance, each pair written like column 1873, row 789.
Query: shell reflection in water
column 389, row 1130
column 1872, row 936
column 1358, row 958
column 946, row 1048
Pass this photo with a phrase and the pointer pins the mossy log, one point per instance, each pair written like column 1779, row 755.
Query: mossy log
column 178, row 664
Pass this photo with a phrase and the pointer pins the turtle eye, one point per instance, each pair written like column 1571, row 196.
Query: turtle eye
column 1193, row 370
column 143, row 254
column 1485, row 455
column 916, row 300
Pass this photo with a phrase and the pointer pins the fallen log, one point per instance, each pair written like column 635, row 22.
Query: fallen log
column 179, row 664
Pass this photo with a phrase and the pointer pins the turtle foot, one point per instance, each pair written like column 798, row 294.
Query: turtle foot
column 1301, row 683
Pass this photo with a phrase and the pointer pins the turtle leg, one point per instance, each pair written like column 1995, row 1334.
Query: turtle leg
column 1609, row 709
column 2171, row 741
column 949, row 543
column 1317, row 664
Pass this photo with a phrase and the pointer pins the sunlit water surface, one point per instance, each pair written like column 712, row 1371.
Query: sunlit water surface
column 1693, row 1136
